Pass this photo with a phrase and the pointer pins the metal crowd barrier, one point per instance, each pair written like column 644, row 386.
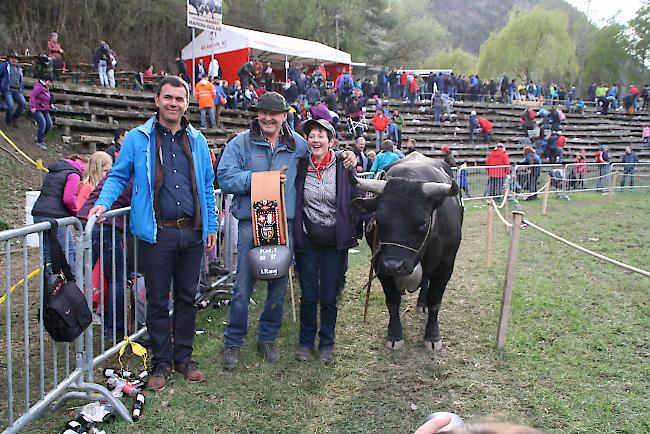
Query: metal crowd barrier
column 108, row 271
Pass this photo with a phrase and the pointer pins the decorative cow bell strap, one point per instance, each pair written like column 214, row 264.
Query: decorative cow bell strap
column 271, row 256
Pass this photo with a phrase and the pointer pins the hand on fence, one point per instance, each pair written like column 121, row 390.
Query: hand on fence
column 97, row 210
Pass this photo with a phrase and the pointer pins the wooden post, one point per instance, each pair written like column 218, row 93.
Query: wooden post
column 488, row 242
column 546, row 191
column 612, row 187
column 506, row 299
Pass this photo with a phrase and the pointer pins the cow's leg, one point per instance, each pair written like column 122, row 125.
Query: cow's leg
column 437, row 284
column 395, row 335
column 422, row 296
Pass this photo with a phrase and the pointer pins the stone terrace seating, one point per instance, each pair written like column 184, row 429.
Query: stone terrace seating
column 88, row 115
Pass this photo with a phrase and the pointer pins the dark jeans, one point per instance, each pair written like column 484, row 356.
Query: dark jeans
column 44, row 121
column 177, row 256
column 320, row 270
column 12, row 99
column 495, row 187
column 115, row 287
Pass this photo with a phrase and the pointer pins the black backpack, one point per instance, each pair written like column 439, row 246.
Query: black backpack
column 347, row 84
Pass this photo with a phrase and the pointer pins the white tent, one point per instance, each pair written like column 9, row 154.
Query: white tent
column 264, row 46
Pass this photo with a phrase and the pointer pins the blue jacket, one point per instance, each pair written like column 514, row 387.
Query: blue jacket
column 5, row 69
column 137, row 159
column 248, row 153
column 382, row 160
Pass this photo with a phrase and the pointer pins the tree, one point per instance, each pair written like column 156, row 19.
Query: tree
column 607, row 59
column 458, row 60
column 531, row 44
column 640, row 35
column 414, row 36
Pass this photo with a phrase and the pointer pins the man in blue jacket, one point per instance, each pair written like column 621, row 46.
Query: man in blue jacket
column 173, row 214
column 268, row 145
column 12, row 87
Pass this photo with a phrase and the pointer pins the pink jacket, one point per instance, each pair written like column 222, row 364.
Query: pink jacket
column 72, row 186
column 646, row 132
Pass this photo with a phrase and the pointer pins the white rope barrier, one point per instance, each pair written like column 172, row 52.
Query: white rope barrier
column 540, row 191
column 503, row 220
column 587, row 251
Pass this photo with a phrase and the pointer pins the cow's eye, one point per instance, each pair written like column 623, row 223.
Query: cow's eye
column 423, row 228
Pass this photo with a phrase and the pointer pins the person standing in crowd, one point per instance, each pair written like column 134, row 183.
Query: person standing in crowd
column 410, row 146
column 214, row 70
column 58, row 199
column 323, row 231
column 12, row 87
column 100, row 62
column 498, row 164
column 116, row 144
column 528, row 176
column 174, row 217
column 472, row 125
column 199, row 71
column 182, row 68
column 398, row 121
column 220, row 100
column 581, row 170
column 447, row 156
column 380, row 122
column 385, row 157
column 55, row 53
column 98, row 166
column 269, row 144
column 205, row 93
column 246, row 74
column 645, row 136
column 630, row 160
column 39, row 105
column 602, row 158
column 360, row 152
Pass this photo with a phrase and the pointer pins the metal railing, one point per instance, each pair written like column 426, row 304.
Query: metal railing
column 107, row 270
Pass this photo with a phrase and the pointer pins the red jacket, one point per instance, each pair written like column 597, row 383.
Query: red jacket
column 380, row 122
column 498, row 157
column 561, row 141
column 414, row 86
column 485, row 125
column 402, row 79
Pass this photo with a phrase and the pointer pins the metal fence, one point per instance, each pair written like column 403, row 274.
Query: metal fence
column 109, row 272
column 482, row 182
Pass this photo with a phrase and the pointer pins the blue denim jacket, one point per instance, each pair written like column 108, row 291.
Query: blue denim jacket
column 248, row 153
column 137, row 159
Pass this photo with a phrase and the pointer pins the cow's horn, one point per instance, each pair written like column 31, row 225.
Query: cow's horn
column 435, row 188
column 371, row 185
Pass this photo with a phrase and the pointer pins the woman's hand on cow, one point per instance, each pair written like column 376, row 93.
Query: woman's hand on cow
column 432, row 426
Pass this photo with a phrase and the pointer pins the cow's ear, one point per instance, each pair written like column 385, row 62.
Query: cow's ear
column 365, row 205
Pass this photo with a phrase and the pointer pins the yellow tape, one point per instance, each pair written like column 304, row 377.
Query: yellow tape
column 11, row 290
column 136, row 349
column 27, row 157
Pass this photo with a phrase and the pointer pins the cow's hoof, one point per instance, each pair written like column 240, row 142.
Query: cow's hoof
column 422, row 309
column 395, row 345
column 430, row 347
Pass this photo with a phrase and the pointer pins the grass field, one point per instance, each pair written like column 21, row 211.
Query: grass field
column 576, row 358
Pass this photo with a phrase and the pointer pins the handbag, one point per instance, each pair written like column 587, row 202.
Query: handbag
column 65, row 310
column 320, row 235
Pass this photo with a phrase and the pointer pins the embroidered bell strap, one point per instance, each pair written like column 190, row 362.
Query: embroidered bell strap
column 267, row 208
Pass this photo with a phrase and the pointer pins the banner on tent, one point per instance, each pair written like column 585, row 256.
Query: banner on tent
column 204, row 14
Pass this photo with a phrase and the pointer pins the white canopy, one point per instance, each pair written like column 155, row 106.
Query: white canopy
column 265, row 46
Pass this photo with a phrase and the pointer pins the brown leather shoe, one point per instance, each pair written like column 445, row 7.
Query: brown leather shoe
column 159, row 379
column 190, row 371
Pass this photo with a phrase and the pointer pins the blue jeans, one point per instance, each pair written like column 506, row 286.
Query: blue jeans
column 271, row 317
column 436, row 115
column 379, row 137
column 60, row 236
column 210, row 112
column 11, row 98
column 393, row 133
column 320, row 270
column 628, row 173
column 44, row 121
column 101, row 69
column 114, row 287
column 176, row 255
